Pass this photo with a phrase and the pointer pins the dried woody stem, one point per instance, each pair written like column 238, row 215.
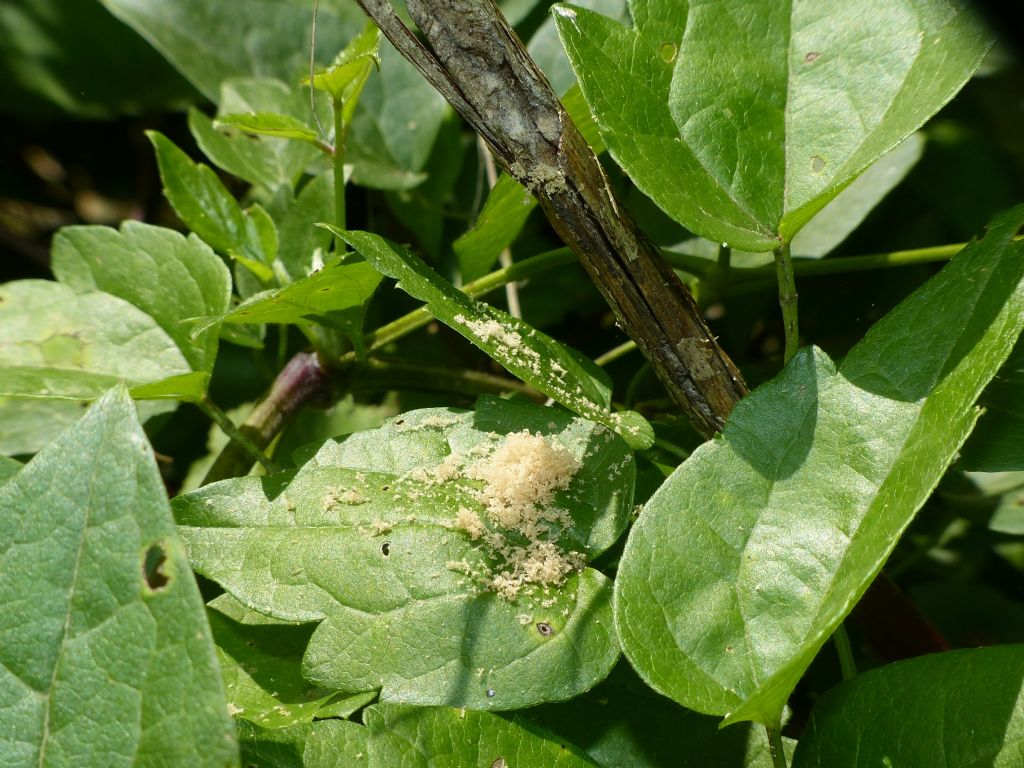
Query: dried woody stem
column 474, row 59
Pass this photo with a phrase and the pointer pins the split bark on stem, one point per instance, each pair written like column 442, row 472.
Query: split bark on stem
column 474, row 59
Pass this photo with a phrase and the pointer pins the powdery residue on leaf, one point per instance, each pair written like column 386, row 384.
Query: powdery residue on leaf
column 520, row 479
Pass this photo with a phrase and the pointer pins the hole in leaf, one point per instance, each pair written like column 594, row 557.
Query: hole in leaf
column 153, row 568
column 812, row 56
column 545, row 629
column 668, row 52
column 817, row 164
column 491, row 693
column 385, row 548
column 499, row 763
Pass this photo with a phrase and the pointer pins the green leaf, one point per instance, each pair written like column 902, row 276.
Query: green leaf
column 199, row 198
column 375, row 537
column 997, row 445
column 844, row 213
column 745, row 148
column 336, row 297
column 623, row 723
column 322, row 744
column 26, row 425
column 418, row 737
column 57, row 343
column 536, row 358
column 345, row 78
column 546, row 49
column 210, row 41
column 170, row 278
column 262, row 680
column 956, row 708
column 269, row 124
column 296, row 216
column 264, row 107
column 508, row 206
column 8, row 468
column 103, row 624
column 749, row 556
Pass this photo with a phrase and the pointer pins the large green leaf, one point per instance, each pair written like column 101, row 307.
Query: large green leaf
column 296, row 216
column 536, row 358
column 57, row 343
column 170, row 278
column 962, row 708
column 387, row 540
column 746, row 147
column 436, row 737
column 106, row 652
column 748, row 557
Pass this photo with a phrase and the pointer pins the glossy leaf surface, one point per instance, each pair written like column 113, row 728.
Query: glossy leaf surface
column 745, row 148
column 102, row 621
column 747, row 558
column 366, row 538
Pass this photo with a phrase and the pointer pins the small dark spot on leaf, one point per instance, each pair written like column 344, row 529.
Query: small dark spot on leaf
column 153, row 568
column 812, row 56
column 545, row 629
column 385, row 548
column 400, row 422
column 385, row 487
column 324, row 290
column 251, row 643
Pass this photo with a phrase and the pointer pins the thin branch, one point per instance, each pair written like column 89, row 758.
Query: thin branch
column 473, row 58
column 505, row 257
column 787, row 300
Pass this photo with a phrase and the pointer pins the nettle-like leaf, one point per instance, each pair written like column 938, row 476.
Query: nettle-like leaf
column 430, row 584
column 106, row 650
column 749, row 556
column 267, row 108
column 170, row 278
column 436, row 737
column 536, row 358
column 345, row 79
column 336, row 297
column 746, row 146
column 957, row 708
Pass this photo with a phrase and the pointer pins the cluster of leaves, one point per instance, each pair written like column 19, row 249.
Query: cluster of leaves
column 322, row 609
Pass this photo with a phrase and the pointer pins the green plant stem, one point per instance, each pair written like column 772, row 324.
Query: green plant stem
column 340, row 136
column 775, row 746
column 418, row 318
column 847, row 665
column 616, row 352
column 787, row 300
column 391, row 373
column 236, row 435
column 303, row 380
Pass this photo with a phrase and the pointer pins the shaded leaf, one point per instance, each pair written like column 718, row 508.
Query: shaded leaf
column 997, row 445
column 745, row 148
column 262, row 679
column 103, row 622
column 269, row 124
column 508, row 206
column 956, row 708
column 536, row 358
column 296, row 216
column 763, row 540
column 439, row 737
column 322, row 744
column 375, row 537
column 8, row 468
